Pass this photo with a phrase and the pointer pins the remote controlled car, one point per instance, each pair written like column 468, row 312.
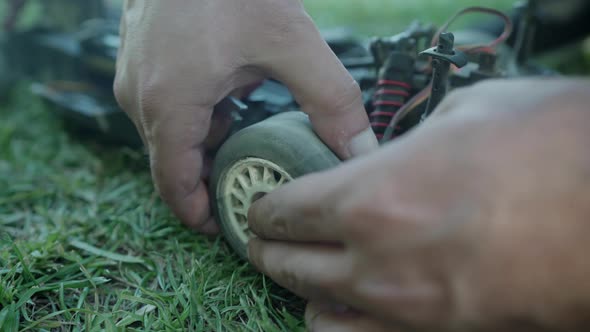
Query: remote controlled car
column 403, row 78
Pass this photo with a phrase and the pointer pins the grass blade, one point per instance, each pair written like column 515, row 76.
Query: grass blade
column 106, row 254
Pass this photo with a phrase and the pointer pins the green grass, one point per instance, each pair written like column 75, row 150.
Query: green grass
column 382, row 17
column 85, row 244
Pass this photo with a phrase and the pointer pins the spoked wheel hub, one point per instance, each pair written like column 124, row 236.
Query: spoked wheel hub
column 245, row 182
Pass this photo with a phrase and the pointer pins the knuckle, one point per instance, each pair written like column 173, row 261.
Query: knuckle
column 279, row 226
column 148, row 97
column 124, row 96
column 150, row 101
column 174, row 184
column 120, row 91
column 172, row 113
column 360, row 217
column 283, row 20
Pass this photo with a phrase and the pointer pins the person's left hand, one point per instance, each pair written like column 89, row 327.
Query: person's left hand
column 474, row 221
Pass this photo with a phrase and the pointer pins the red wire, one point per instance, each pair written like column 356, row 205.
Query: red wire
column 508, row 27
column 425, row 93
column 408, row 107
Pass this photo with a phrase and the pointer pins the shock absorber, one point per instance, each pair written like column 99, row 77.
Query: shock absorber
column 394, row 86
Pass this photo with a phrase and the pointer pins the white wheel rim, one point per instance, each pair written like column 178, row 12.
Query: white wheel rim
column 243, row 183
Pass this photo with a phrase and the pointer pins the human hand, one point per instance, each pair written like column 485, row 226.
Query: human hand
column 179, row 58
column 475, row 221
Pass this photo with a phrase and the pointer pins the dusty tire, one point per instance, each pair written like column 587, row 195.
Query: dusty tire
column 258, row 159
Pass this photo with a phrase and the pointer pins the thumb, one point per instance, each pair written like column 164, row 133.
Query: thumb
column 324, row 89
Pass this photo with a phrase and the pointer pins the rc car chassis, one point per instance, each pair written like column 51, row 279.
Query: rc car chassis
column 402, row 78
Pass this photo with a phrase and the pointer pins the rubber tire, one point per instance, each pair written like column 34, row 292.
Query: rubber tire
column 287, row 140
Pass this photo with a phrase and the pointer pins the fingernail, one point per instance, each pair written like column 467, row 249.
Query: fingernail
column 363, row 143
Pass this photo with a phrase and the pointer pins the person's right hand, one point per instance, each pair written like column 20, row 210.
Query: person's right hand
column 179, row 58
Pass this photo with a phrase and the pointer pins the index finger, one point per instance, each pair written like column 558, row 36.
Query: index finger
column 176, row 156
column 323, row 87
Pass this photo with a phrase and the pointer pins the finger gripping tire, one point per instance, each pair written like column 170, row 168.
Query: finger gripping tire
column 258, row 159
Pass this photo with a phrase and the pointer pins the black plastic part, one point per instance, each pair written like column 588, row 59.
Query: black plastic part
column 525, row 34
column 445, row 52
column 443, row 56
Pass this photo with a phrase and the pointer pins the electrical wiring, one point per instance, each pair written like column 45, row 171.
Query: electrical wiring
column 471, row 49
column 406, row 109
column 424, row 94
column 508, row 27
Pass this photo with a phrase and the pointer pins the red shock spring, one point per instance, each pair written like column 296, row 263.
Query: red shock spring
column 389, row 97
